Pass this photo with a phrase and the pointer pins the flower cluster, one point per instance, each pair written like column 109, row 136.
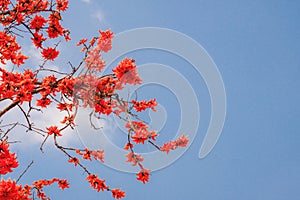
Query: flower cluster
column 10, row 190
column 38, row 18
column 8, row 160
column 143, row 105
column 80, row 86
column 182, row 141
column 40, row 184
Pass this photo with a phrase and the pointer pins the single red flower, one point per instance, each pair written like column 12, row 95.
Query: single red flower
column 74, row 160
column 53, row 130
column 43, row 102
column 143, row 175
column 62, row 5
column 37, row 22
column 63, row 184
column 117, row 193
column 49, row 53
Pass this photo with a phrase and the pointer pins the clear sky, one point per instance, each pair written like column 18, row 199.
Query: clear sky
column 255, row 45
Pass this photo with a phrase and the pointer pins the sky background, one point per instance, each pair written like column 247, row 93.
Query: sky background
column 255, row 45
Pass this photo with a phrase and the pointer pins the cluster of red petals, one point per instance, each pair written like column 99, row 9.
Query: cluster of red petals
column 69, row 120
column 9, row 190
column 74, row 160
column 117, row 193
column 99, row 184
column 38, row 17
column 8, row 160
column 98, row 155
column 143, row 175
column 94, row 61
column 134, row 158
column 65, row 106
column 53, row 130
column 62, row 5
column 182, row 141
column 10, row 50
column 141, row 132
column 16, row 86
column 43, row 102
column 96, row 92
column 128, row 145
column 126, row 72
column 49, row 53
column 40, row 184
column 96, row 183
column 88, row 154
column 37, row 23
column 105, row 40
column 143, row 105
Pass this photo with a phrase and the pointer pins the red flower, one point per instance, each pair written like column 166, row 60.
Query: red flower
column 53, row 130
column 117, row 194
column 7, row 160
column 98, row 155
column 37, row 22
column 62, row 5
column 63, row 184
column 182, row 141
column 38, row 40
column 128, row 145
column 134, row 158
column 104, row 42
column 143, row 175
column 49, row 53
column 126, row 72
column 82, row 41
column 96, row 183
column 143, row 105
column 74, row 160
column 43, row 102
column 10, row 190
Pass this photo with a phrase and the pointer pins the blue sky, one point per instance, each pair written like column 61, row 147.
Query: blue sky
column 255, row 45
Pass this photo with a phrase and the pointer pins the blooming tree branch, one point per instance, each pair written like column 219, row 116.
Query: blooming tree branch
column 31, row 91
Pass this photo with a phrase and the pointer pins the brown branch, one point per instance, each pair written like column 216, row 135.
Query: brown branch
column 12, row 105
column 24, row 171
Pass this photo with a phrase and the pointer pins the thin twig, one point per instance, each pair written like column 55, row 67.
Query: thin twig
column 24, row 171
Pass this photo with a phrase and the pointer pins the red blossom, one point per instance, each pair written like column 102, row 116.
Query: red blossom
column 74, row 160
column 143, row 175
column 62, row 5
column 7, row 160
column 128, row 146
column 82, row 41
column 134, row 158
column 38, row 39
column 104, row 42
column 9, row 190
column 182, row 141
column 63, row 184
column 43, row 102
column 50, row 53
column 96, row 183
column 53, row 130
column 37, row 22
column 126, row 72
column 98, row 155
column 143, row 105
column 117, row 193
